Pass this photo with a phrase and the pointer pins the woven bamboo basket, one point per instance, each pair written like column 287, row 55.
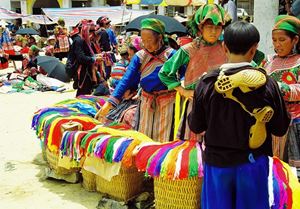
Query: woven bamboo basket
column 52, row 159
column 177, row 194
column 124, row 186
column 89, row 180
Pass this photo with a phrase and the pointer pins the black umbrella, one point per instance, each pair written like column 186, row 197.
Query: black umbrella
column 53, row 67
column 172, row 25
column 27, row 31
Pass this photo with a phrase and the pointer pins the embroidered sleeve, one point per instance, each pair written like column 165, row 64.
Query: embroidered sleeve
column 289, row 85
column 130, row 80
column 169, row 72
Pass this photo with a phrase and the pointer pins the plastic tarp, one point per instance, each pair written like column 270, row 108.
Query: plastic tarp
column 8, row 15
column 39, row 19
column 117, row 14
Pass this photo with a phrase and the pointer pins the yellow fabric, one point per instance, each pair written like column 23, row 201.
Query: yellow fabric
column 125, row 133
column 163, row 4
column 102, row 168
column 132, row 1
column 177, row 115
column 178, row 2
column 66, row 162
column 53, row 148
column 294, row 185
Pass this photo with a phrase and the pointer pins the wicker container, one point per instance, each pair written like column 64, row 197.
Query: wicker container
column 177, row 194
column 52, row 159
column 89, row 180
column 122, row 187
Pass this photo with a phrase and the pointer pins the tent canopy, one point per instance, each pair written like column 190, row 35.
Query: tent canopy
column 8, row 15
column 117, row 14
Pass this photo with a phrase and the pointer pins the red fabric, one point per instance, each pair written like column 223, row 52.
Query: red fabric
column 25, row 50
column 144, row 154
column 3, row 65
column 10, row 52
column 90, row 138
column 184, row 40
column 184, row 171
column 283, row 177
column 57, row 134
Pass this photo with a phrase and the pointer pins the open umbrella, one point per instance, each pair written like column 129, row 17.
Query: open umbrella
column 53, row 67
column 27, row 31
column 172, row 25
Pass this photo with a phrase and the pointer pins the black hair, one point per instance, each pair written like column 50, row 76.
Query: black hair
column 124, row 54
column 224, row 2
column 98, row 22
column 240, row 36
column 130, row 46
column 290, row 34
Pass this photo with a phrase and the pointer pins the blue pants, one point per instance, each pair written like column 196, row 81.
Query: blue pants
column 239, row 187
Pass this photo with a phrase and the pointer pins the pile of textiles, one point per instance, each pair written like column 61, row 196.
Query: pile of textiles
column 113, row 144
column 284, row 184
column 47, row 121
column 18, row 82
column 172, row 160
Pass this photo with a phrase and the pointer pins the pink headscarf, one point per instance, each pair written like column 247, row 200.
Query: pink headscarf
column 136, row 42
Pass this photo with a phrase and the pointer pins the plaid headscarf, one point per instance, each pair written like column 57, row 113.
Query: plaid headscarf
column 214, row 12
column 288, row 23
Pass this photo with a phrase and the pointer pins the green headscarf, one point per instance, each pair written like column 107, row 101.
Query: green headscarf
column 154, row 25
column 35, row 49
column 214, row 12
column 288, row 23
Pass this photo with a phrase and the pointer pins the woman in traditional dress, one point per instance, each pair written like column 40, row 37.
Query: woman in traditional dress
column 155, row 111
column 205, row 53
column 86, row 59
column 284, row 67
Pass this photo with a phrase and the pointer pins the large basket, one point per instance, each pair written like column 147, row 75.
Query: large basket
column 52, row 159
column 124, row 186
column 89, row 180
column 177, row 194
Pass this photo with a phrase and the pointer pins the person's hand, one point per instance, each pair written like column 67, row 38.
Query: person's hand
column 128, row 95
column 185, row 93
column 103, row 112
column 99, row 58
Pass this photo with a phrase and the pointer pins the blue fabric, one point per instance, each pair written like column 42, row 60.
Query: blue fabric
column 112, row 36
column 132, row 78
column 239, row 187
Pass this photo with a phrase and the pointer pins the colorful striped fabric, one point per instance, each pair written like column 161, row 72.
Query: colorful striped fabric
column 112, row 145
column 284, row 188
column 171, row 160
column 47, row 121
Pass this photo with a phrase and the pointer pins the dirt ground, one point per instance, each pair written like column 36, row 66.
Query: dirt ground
column 22, row 182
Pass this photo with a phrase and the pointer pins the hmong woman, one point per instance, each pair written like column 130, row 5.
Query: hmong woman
column 284, row 67
column 86, row 59
column 155, row 111
column 205, row 53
